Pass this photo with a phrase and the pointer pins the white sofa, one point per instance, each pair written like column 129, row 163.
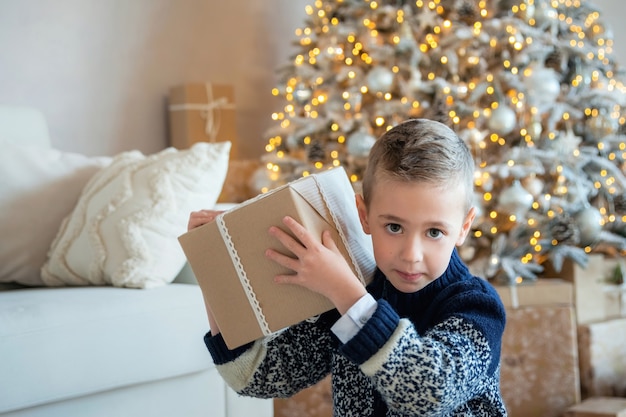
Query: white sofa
column 99, row 350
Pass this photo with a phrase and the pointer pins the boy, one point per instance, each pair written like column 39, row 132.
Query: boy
column 423, row 339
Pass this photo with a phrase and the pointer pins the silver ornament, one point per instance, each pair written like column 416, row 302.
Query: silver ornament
column 601, row 126
column 515, row 200
column 502, row 120
column 542, row 86
column 589, row 222
column 380, row 80
column 533, row 185
column 545, row 13
column 302, row 94
column 359, row 144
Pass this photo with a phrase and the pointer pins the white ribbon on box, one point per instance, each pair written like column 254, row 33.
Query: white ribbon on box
column 617, row 292
column 514, row 297
column 208, row 111
column 328, row 196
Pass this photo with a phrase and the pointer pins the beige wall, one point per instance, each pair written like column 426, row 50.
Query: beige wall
column 100, row 69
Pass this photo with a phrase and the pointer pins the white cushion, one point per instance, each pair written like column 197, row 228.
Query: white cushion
column 124, row 228
column 38, row 188
column 23, row 125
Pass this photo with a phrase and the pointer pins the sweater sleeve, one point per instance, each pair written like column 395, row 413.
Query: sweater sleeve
column 220, row 353
column 373, row 335
column 278, row 366
column 436, row 372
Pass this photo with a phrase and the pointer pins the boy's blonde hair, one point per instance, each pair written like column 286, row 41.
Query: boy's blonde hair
column 420, row 150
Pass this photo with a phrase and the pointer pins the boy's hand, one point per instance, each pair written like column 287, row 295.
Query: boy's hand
column 198, row 218
column 319, row 267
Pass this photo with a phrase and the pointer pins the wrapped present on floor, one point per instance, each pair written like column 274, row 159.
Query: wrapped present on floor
column 599, row 407
column 228, row 259
column 315, row 401
column 602, row 348
column 202, row 112
column 595, row 298
column 237, row 185
column 539, row 359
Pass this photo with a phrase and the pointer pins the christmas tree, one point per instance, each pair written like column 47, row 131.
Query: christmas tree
column 531, row 86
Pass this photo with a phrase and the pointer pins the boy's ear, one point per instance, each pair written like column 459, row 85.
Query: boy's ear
column 467, row 225
column 362, row 209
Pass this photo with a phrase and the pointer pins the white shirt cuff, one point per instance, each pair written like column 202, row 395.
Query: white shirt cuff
column 350, row 323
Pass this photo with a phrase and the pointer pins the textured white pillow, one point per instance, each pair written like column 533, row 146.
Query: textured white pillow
column 39, row 187
column 124, row 229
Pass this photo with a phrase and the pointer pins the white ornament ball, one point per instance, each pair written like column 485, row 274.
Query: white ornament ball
column 589, row 222
column 533, row 185
column 529, row 11
column 545, row 14
column 359, row 144
column 542, row 86
column 262, row 180
column 502, row 120
column 515, row 200
column 601, row 126
column 472, row 136
column 380, row 80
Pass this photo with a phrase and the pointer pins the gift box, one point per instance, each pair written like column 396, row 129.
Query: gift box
column 599, row 407
column 228, row 258
column 237, row 187
column 602, row 349
column 202, row 112
column 595, row 299
column 539, row 359
column 315, row 401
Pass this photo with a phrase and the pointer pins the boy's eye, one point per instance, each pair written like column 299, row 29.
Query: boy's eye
column 434, row 233
column 393, row 228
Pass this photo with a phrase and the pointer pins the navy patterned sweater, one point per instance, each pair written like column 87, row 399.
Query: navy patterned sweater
column 435, row 352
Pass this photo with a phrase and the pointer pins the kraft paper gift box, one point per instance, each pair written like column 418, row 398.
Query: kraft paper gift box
column 202, row 112
column 228, row 259
column 602, row 348
column 315, row 401
column 594, row 298
column 539, row 358
column 599, row 407
column 237, row 187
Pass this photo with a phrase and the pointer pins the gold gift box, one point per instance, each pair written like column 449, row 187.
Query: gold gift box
column 539, row 359
column 202, row 112
column 602, row 347
column 599, row 407
column 594, row 298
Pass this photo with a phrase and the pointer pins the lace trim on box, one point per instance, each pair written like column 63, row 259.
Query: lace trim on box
column 243, row 277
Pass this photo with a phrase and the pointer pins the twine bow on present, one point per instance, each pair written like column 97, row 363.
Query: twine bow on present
column 208, row 111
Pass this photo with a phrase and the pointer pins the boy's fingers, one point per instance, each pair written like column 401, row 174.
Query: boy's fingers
column 294, row 245
column 282, row 260
column 301, row 233
column 328, row 241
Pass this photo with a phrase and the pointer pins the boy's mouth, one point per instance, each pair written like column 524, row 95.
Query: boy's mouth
column 409, row 276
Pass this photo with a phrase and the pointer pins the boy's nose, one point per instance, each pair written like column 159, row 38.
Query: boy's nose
column 412, row 251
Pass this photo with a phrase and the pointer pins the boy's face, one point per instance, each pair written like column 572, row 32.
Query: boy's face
column 414, row 228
